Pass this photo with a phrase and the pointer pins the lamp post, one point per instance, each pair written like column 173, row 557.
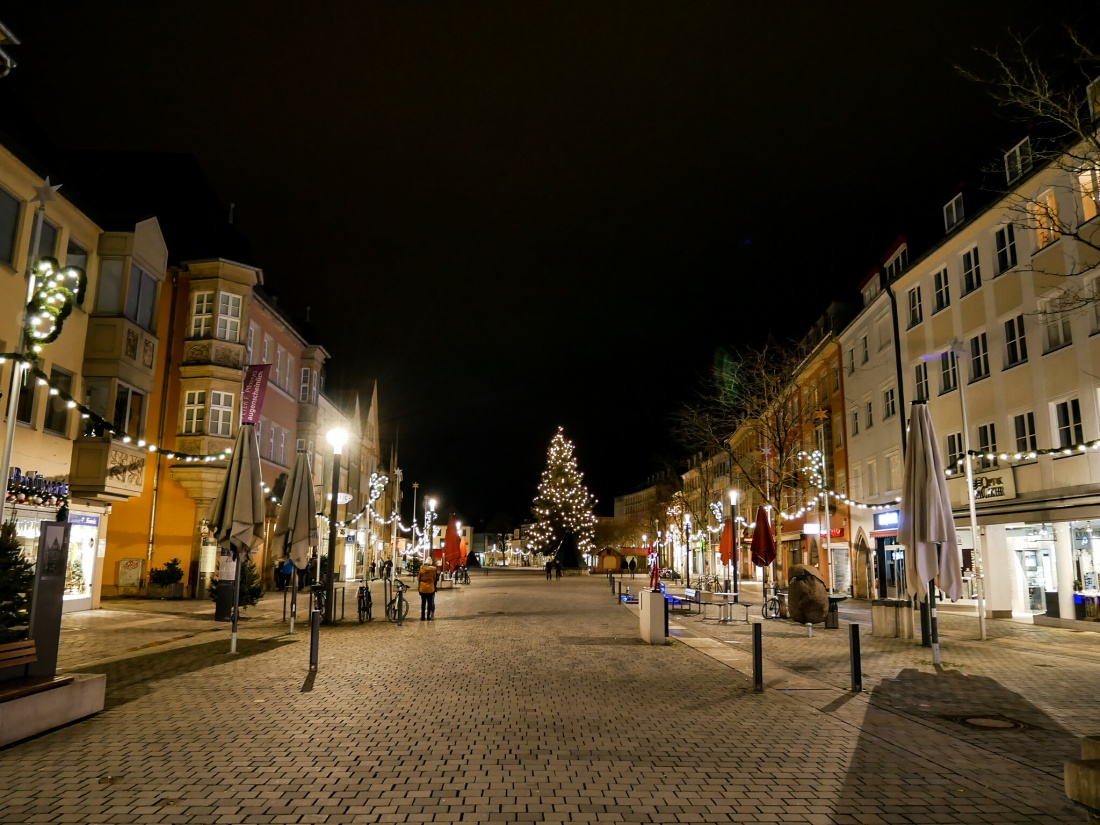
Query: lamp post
column 687, row 549
column 975, row 539
column 736, row 544
column 337, row 437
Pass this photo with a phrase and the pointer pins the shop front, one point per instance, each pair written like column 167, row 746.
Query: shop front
column 888, row 569
column 1055, row 569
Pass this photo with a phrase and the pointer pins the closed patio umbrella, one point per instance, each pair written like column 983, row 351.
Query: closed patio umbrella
column 926, row 527
column 451, row 546
column 238, row 511
column 296, row 528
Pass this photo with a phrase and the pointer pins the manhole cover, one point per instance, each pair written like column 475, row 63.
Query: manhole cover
column 990, row 722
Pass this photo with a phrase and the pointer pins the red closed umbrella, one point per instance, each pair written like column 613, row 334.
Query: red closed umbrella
column 725, row 545
column 451, row 547
column 763, row 542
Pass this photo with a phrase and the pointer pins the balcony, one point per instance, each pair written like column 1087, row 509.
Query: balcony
column 107, row 470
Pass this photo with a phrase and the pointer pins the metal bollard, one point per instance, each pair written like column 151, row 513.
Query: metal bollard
column 758, row 658
column 857, row 665
column 314, row 638
column 620, row 596
column 611, row 577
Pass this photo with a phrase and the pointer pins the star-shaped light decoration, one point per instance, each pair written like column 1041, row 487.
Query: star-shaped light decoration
column 45, row 193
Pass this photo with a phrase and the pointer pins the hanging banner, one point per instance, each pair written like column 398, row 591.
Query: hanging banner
column 252, row 396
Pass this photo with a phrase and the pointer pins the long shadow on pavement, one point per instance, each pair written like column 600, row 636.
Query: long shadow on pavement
column 949, row 747
column 137, row 676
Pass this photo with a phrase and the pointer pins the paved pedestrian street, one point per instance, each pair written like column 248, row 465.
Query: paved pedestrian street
column 535, row 701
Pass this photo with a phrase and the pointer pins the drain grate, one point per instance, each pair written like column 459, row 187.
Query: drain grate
column 989, row 722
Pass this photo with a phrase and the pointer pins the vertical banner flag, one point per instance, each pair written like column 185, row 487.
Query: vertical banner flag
column 252, row 396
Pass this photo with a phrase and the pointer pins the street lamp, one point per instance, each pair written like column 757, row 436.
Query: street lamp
column 337, row 437
column 736, row 542
column 687, row 550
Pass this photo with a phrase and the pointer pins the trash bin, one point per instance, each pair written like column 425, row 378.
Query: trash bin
column 832, row 618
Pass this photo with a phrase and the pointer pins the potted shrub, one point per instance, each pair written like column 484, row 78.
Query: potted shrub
column 166, row 582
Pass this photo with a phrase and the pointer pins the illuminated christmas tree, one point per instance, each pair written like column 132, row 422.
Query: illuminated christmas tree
column 564, row 521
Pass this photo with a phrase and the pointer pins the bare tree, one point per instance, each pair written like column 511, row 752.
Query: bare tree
column 1058, row 99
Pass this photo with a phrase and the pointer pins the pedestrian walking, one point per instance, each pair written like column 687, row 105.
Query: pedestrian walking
column 426, row 579
column 372, row 570
column 549, row 568
column 557, row 569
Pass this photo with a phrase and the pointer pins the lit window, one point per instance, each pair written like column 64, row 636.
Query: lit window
column 1044, row 215
column 1089, row 192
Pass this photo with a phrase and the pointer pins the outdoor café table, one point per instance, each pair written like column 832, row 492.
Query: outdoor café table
column 725, row 602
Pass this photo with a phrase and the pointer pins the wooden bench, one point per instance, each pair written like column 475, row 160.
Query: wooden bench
column 25, row 653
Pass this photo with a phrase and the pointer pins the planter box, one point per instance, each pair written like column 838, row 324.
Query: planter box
column 165, row 591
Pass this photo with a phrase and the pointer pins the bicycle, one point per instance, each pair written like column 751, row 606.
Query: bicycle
column 398, row 607
column 773, row 605
column 462, row 576
column 365, row 603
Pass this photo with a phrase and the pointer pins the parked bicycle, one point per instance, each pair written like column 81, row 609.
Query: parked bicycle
column 398, row 607
column 365, row 602
column 775, row 604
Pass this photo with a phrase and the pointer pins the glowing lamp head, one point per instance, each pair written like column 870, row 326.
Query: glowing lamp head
column 337, row 437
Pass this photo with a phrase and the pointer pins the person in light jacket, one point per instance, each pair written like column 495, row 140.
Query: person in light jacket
column 426, row 579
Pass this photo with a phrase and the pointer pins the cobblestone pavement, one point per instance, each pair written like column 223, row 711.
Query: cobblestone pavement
column 534, row 701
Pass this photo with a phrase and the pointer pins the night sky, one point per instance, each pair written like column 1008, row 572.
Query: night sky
column 516, row 216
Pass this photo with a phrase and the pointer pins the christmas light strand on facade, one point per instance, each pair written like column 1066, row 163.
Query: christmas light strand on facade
column 97, row 423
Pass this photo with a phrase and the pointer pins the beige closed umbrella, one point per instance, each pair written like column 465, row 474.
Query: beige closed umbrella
column 238, row 511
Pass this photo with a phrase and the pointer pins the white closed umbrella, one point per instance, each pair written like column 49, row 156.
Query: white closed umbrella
column 296, row 528
column 926, row 527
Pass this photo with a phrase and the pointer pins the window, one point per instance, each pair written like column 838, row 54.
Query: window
column 1056, row 323
column 28, row 389
column 1005, row 238
column 987, row 446
column 949, row 372
column 194, row 412
column 109, row 296
column 857, row 482
column 955, row 452
column 317, row 380
column 1067, row 418
column 838, row 432
column 278, row 366
column 303, row 388
column 1024, row 425
column 202, row 315
column 979, row 357
column 953, row 213
column 47, row 244
column 921, row 371
column 1089, row 191
column 1044, row 214
column 229, row 317
column 1015, row 341
column 288, row 373
column 129, row 407
column 870, row 408
column 885, row 339
column 896, row 265
column 972, row 271
column 851, row 361
column 893, row 470
column 916, row 314
column 1018, row 160
column 1092, row 290
column 864, row 350
column 9, row 226
column 76, row 255
column 250, row 343
column 872, row 478
column 836, row 379
column 281, row 457
column 271, row 441
column 943, row 291
column 267, row 349
column 57, row 408
column 889, row 403
column 141, row 298
column 855, row 422
column 221, row 413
